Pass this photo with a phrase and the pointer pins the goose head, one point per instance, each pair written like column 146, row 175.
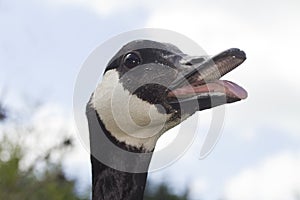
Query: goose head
column 149, row 87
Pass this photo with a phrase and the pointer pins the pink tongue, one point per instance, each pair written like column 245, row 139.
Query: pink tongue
column 234, row 89
column 227, row 87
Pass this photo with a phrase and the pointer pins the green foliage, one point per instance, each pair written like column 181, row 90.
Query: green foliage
column 16, row 184
column 19, row 183
column 3, row 112
column 49, row 181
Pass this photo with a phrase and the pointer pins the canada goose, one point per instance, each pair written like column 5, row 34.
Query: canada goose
column 148, row 88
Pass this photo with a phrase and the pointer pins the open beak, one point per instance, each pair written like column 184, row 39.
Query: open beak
column 199, row 79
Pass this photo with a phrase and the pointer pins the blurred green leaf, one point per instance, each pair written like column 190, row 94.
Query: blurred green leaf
column 49, row 181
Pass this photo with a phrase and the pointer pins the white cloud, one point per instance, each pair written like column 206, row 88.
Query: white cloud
column 276, row 178
column 102, row 7
column 46, row 127
column 198, row 187
column 51, row 117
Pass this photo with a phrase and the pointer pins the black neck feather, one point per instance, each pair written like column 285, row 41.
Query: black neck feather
column 112, row 184
column 109, row 183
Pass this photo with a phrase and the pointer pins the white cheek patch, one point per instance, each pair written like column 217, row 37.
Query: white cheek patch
column 128, row 118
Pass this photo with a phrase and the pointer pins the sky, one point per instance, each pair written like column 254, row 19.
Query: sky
column 44, row 43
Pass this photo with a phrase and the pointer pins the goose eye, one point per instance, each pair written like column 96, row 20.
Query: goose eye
column 131, row 60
